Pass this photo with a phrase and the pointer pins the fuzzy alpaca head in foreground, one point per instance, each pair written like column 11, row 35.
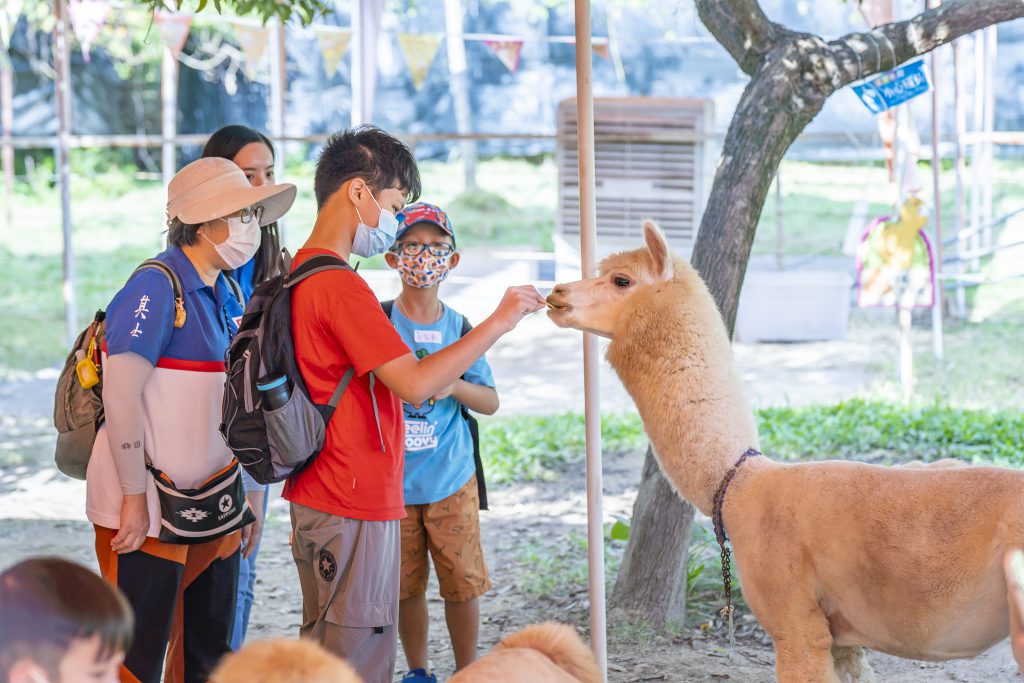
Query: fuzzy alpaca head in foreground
column 834, row 556
column 541, row 653
column 283, row 661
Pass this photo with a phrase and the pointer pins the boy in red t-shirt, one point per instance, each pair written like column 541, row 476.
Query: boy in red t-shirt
column 346, row 505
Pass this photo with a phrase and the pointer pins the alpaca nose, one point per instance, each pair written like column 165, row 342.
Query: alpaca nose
column 559, row 289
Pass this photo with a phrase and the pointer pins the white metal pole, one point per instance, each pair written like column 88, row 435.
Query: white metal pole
column 278, row 92
column 7, row 120
column 357, row 63
column 960, row 130
column 278, row 102
column 591, row 358
column 458, row 74
column 937, row 282
column 977, row 149
column 62, row 68
column 906, row 354
column 991, row 38
column 168, row 115
column 366, row 20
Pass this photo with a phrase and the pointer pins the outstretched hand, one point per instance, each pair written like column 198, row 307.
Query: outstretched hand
column 518, row 303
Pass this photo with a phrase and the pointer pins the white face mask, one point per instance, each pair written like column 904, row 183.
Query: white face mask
column 242, row 243
column 369, row 241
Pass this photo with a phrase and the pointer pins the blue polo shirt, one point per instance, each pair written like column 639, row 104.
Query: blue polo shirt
column 244, row 277
column 140, row 317
column 182, row 397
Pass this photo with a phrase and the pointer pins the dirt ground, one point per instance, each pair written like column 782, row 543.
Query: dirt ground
column 42, row 512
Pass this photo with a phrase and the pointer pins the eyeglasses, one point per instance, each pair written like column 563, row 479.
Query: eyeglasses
column 438, row 249
column 250, row 212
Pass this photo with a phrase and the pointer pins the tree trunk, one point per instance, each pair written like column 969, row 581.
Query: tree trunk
column 651, row 584
column 761, row 131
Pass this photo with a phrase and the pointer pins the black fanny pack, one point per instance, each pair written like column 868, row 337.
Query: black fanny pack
column 214, row 509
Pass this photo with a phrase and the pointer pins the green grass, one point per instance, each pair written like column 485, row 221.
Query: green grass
column 560, row 571
column 889, row 432
column 539, row 447
column 982, row 365
column 818, row 200
column 32, row 306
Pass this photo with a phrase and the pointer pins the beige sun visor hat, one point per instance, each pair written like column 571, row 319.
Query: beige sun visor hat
column 214, row 187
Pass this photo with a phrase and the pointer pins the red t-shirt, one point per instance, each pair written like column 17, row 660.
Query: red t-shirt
column 337, row 322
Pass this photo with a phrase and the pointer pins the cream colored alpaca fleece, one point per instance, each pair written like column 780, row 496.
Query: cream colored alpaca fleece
column 832, row 555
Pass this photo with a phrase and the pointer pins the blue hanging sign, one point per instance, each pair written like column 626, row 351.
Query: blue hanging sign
column 893, row 87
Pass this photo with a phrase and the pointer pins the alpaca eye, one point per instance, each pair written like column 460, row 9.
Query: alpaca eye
column 622, row 281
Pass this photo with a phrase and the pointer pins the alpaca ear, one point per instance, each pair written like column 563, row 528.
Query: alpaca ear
column 658, row 247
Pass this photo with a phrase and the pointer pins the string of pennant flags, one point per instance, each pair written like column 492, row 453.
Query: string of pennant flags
column 89, row 16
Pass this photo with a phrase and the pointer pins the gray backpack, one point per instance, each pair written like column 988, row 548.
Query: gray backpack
column 275, row 433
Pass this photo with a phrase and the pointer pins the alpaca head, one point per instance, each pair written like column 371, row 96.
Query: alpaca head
column 595, row 305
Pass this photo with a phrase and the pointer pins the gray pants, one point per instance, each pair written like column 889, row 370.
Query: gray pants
column 349, row 574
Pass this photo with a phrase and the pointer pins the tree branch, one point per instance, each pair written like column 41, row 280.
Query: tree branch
column 859, row 55
column 742, row 28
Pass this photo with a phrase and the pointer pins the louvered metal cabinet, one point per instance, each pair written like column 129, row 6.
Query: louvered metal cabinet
column 654, row 160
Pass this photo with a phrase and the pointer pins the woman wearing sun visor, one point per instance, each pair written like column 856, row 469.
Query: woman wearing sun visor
column 164, row 492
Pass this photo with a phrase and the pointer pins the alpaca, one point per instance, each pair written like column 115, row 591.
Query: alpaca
column 542, row 653
column 283, row 661
column 834, row 556
column 1014, row 567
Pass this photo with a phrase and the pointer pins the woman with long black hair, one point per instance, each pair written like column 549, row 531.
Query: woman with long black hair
column 252, row 152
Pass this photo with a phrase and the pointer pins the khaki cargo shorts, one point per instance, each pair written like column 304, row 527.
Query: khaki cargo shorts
column 450, row 529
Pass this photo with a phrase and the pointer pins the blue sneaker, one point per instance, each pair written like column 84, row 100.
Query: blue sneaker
column 419, row 676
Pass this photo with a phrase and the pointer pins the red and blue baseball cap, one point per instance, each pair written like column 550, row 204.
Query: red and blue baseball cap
column 421, row 212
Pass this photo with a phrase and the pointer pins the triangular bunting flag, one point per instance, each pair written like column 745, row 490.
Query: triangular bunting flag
column 253, row 40
column 601, row 50
column 174, row 29
column 333, row 46
column 507, row 51
column 87, row 19
column 8, row 20
column 419, row 53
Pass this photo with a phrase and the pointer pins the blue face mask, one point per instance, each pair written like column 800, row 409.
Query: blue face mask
column 370, row 241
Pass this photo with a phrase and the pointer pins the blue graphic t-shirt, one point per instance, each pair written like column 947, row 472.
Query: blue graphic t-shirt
column 438, row 446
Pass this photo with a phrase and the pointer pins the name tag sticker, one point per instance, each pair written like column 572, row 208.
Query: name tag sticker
column 427, row 336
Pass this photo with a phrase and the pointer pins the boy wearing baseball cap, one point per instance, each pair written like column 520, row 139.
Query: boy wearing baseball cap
column 440, row 484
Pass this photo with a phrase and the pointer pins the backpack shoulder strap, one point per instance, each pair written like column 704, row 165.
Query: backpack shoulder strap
column 387, row 306
column 314, row 265
column 154, row 264
column 466, row 327
column 235, row 288
column 179, row 292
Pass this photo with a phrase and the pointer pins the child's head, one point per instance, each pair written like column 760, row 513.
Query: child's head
column 424, row 248
column 60, row 623
column 384, row 164
column 283, row 661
